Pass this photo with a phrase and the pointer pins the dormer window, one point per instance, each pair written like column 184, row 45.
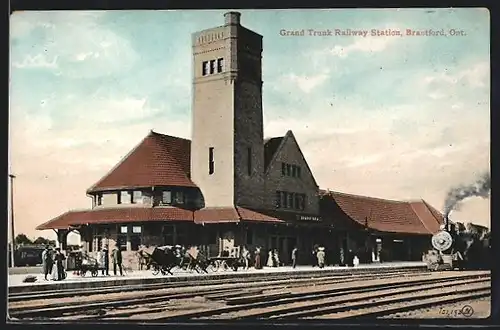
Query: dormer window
column 137, row 197
column 179, row 197
column 166, row 197
column 125, row 197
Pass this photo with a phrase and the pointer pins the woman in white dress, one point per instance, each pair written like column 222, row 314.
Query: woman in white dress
column 270, row 258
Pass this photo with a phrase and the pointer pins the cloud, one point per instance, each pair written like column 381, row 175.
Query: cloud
column 307, row 83
column 37, row 61
column 74, row 41
column 366, row 45
column 476, row 76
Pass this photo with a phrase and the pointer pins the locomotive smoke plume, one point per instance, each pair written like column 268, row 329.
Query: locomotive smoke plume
column 480, row 188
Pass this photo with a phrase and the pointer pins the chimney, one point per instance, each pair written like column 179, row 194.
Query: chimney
column 232, row 18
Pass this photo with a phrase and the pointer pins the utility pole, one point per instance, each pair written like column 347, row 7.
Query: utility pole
column 13, row 247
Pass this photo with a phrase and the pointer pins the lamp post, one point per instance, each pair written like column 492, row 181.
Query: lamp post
column 13, row 247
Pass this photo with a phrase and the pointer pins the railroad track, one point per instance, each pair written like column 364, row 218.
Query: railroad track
column 355, row 295
column 41, row 306
column 355, row 301
column 296, row 278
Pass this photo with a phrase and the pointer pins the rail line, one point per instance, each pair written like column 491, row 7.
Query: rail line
column 296, row 278
column 310, row 304
column 214, row 291
column 245, row 300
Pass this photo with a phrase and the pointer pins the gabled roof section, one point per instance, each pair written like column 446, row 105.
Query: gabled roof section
column 270, row 147
column 384, row 215
column 232, row 214
column 158, row 160
column 117, row 215
column 281, row 142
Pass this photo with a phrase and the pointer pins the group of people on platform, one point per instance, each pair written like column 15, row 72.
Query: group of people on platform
column 273, row 259
column 51, row 257
column 55, row 257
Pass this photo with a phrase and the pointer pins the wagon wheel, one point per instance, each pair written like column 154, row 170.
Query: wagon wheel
column 213, row 266
column 83, row 272
column 224, row 265
column 156, row 270
column 94, row 273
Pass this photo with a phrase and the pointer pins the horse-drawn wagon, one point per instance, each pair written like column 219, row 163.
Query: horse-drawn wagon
column 163, row 259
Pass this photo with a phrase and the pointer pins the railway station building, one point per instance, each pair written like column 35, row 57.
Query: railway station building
column 228, row 187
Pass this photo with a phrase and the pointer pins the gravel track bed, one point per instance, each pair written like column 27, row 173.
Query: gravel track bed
column 337, row 301
column 45, row 303
column 481, row 308
column 178, row 307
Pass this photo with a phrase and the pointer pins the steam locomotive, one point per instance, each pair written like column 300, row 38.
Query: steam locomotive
column 456, row 248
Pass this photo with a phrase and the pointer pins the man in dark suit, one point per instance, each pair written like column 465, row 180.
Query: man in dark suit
column 117, row 259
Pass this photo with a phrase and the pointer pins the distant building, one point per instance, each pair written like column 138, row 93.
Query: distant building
column 228, row 187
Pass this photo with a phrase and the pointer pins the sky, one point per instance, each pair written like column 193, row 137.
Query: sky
column 396, row 117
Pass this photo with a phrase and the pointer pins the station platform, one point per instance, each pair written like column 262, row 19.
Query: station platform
column 73, row 281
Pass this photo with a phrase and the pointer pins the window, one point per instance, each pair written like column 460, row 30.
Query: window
column 137, row 197
column 284, row 199
column 204, row 68
column 298, row 171
column 278, row 199
column 125, row 197
column 283, row 169
column 212, row 66
column 212, row 236
column 303, row 202
column 179, row 197
column 168, row 234
column 220, row 65
column 181, row 238
column 99, row 199
column 249, row 236
column 98, row 243
column 249, row 160
column 297, row 202
column 288, row 169
column 166, row 197
column 121, row 239
column 211, row 164
column 294, row 170
column 136, row 229
column 290, row 201
column 135, row 242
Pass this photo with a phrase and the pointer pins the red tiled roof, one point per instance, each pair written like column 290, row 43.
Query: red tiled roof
column 159, row 160
column 384, row 215
column 117, row 215
column 231, row 214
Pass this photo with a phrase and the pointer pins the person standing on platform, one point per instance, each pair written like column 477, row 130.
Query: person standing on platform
column 295, row 252
column 59, row 258
column 117, row 260
column 106, row 261
column 321, row 257
column 276, row 259
column 314, row 259
column 257, row 264
column 270, row 258
column 245, row 254
column 47, row 262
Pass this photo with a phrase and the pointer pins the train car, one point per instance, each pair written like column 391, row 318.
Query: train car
column 27, row 255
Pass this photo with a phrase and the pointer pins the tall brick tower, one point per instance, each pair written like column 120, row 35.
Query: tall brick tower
column 227, row 151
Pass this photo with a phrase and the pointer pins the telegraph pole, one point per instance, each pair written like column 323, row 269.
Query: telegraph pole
column 13, row 247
